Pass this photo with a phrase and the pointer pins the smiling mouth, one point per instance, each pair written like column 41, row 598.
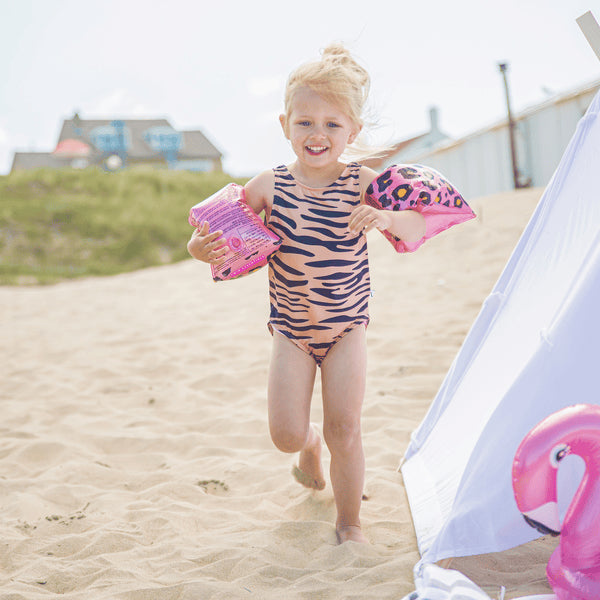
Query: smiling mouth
column 316, row 150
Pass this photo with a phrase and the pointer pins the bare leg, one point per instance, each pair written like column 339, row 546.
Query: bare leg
column 309, row 471
column 343, row 377
column 291, row 382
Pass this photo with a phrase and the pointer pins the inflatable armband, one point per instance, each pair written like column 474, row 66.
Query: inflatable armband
column 424, row 190
column 250, row 242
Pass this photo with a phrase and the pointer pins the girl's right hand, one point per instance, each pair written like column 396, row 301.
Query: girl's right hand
column 206, row 246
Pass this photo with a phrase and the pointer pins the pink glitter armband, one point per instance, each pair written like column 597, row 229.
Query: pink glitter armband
column 250, row 243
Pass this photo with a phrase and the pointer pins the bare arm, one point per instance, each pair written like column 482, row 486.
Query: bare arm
column 259, row 192
column 408, row 225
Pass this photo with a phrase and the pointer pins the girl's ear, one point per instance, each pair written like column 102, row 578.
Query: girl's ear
column 283, row 122
column 357, row 129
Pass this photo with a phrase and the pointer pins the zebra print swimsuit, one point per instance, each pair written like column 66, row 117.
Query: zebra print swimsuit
column 319, row 282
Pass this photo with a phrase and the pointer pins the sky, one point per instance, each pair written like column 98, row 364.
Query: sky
column 221, row 66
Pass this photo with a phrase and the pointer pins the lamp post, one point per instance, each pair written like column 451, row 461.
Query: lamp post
column 511, row 128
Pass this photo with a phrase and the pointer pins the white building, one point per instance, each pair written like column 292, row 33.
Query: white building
column 481, row 164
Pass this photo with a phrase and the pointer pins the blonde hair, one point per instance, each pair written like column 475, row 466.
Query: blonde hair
column 340, row 80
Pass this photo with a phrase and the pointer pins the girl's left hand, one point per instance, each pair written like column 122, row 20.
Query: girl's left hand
column 365, row 217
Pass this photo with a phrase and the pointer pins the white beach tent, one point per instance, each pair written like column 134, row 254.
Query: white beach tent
column 533, row 349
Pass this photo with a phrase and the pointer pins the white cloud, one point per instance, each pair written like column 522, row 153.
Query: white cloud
column 5, row 152
column 264, row 86
column 271, row 117
column 8, row 144
column 118, row 102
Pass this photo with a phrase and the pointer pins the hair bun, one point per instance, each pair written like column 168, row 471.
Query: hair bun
column 336, row 51
column 336, row 54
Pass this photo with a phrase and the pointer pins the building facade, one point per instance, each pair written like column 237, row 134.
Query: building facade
column 480, row 164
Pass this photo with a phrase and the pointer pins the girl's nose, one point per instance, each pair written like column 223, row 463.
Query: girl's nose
column 319, row 131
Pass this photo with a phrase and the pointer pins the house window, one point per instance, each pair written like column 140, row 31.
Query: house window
column 164, row 140
column 113, row 138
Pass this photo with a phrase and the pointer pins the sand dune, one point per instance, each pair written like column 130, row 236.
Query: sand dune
column 135, row 457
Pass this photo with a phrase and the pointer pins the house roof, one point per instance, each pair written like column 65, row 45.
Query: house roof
column 38, row 160
column 417, row 143
column 382, row 158
column 194, row 143
column 70, row 147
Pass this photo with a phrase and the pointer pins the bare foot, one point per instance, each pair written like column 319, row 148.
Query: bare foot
column 350, row 533
column 309, row 471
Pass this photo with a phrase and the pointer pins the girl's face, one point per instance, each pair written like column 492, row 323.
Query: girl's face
column 319, row 131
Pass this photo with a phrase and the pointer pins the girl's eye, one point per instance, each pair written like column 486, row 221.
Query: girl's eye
column 332, row 124
column 304, row 123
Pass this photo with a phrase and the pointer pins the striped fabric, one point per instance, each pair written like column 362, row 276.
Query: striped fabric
column 435, row 583
column 319, row 280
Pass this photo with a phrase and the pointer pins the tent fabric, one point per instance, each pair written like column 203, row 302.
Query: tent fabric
column 531, row 351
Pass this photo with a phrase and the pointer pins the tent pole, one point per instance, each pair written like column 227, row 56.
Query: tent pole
column 590, row 28
column 511, row 128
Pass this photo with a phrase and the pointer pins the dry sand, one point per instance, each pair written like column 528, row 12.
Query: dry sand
column 135, row 457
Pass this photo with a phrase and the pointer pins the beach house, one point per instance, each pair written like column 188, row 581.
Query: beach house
column 119, row 143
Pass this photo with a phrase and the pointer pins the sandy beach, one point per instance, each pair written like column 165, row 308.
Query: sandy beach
column 135, row 460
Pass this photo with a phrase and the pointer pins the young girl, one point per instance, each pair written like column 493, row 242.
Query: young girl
column 319, row 278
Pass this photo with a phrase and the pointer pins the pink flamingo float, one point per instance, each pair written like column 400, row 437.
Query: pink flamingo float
column 573, row 570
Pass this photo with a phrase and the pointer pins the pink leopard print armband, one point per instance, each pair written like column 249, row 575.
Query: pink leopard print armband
column 424, row 190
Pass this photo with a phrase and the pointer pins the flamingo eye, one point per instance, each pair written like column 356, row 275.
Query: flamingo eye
column 558, row 453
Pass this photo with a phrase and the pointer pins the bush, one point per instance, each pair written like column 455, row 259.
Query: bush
column 57, row 224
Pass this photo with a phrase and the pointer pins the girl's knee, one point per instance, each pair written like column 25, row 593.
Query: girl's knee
column 342, row 434
column 288, row 439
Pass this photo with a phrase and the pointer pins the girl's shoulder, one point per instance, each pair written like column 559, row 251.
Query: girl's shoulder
column 365, row 176
column 259, row 191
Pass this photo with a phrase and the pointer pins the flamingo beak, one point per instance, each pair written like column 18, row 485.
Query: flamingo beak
column 544, row 518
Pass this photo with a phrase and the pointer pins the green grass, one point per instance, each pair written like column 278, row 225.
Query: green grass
column 60, row 224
